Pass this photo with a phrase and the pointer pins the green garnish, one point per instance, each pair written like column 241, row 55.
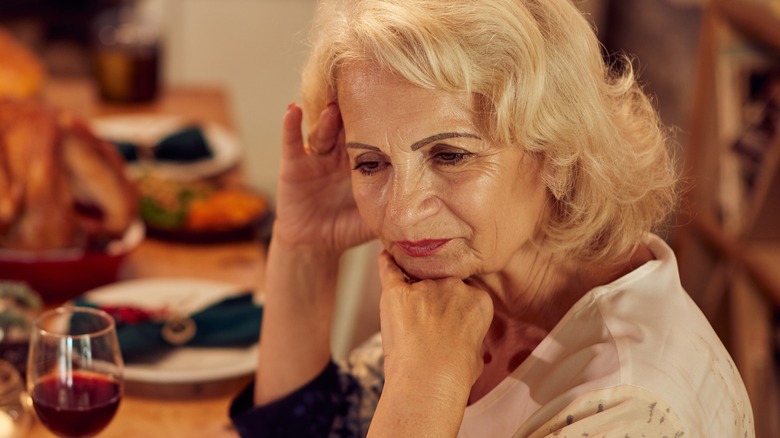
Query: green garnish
column 158, row 216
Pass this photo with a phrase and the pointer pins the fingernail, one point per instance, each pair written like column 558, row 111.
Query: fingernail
column 289, row 107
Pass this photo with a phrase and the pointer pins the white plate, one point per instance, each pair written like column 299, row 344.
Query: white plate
column 148, row 129
column 183, row 364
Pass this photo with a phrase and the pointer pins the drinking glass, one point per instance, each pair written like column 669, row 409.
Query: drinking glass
column 74, row 370
column 127, row 54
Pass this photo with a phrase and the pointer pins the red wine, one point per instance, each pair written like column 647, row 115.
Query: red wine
column 79, row 408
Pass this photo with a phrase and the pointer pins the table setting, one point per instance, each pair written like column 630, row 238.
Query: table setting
column 128, row 232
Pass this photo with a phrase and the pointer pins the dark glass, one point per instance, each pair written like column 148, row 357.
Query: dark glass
column 127, row 74
column 126, row 55
column 80, row 407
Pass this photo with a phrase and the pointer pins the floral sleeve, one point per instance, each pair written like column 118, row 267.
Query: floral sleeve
column 619, row 411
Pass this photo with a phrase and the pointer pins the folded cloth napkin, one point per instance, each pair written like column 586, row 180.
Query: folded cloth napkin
column 232, row 322
column 186, row 145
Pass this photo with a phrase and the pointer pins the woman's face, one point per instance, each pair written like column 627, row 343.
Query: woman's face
column 443, row 201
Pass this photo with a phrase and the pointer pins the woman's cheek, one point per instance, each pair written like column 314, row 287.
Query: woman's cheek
column 370, row 199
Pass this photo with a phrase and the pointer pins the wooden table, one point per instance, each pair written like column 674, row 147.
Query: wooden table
column 183, row 410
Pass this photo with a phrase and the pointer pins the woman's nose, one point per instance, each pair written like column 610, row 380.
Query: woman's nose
column 412, row 200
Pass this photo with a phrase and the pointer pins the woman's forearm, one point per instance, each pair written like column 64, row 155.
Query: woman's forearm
column 419, row 407
column 297, row 318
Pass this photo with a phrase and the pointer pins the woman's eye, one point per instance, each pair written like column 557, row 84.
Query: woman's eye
column 369, row 167
column 451, row 158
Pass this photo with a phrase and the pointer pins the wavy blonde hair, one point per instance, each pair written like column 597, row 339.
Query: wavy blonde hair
column 537, row 78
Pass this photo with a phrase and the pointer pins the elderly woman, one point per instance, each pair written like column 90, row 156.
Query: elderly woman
column 514, row 181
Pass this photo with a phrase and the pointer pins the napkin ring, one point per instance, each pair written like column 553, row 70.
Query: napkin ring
column 178, row 330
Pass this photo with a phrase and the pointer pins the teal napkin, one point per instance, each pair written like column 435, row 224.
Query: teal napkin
column 232, row 322
column 184, row 146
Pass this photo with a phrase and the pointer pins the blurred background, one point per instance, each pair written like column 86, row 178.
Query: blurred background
column 702, row 65
column 253, row 48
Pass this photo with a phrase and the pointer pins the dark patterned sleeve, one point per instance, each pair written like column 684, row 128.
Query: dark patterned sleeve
column 339, row 402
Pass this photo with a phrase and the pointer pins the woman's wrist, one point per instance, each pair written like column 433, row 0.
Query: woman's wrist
column 416, row 405
column 289, row 243
column 301, row 282
column 303, row 272
column 428, row 380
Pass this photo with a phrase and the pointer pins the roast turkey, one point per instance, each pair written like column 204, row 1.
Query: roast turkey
column 60, row 185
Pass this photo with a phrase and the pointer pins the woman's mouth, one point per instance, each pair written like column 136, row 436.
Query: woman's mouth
column 422, row 248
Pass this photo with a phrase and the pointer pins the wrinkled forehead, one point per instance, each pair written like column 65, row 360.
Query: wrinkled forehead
column 379, row 100
column 365, row 78
column 381, row 106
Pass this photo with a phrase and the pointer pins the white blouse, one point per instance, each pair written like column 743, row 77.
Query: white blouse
column 634, row 358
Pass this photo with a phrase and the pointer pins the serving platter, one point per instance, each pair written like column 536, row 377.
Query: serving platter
column 146, row 129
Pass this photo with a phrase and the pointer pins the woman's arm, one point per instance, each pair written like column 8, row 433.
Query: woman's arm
column 432, row 334
column 316, row 221
column 298, row 309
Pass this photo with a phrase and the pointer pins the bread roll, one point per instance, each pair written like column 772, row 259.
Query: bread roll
column 21, row 71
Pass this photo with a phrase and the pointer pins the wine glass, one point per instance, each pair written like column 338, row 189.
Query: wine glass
column 74, row 370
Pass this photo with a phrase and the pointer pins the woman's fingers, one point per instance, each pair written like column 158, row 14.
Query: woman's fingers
column 326, row 135
column 390, row 275
column 292, row 137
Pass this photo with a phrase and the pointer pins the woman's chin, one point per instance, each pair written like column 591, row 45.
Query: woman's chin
column 419, row 269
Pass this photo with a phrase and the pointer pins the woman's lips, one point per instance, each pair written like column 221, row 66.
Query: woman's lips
column 422, row 248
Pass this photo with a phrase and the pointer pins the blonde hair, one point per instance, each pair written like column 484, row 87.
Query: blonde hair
column 537, row 78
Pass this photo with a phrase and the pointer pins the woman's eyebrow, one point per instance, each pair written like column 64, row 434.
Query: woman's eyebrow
column 418, row 144
column 442, row 136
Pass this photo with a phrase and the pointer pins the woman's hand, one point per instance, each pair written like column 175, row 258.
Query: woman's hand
column 315, row 206
column 432, row 334
column 432, row 326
